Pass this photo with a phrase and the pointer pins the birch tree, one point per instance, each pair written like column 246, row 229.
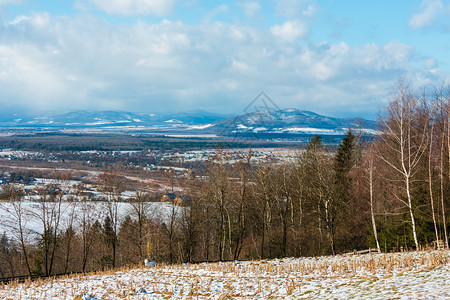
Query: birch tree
column 431, row 140
column 402, row 144
column 370, row 168
column 442, row 98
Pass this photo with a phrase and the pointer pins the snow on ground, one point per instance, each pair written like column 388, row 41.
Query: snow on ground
column 200, row 126
column 412, row 275
column 428, row 284
column 192, row 135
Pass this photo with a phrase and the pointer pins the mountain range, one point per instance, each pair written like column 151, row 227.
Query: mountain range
column 292, row 121
column 82, row 118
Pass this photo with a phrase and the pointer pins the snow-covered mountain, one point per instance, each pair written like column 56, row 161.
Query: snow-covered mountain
column 285, row 122
column 85, row 118
column 290, row 121
column 82, row 118
column 199, row 117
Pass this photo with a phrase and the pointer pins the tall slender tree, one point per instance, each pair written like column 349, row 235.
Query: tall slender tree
column 402, row 144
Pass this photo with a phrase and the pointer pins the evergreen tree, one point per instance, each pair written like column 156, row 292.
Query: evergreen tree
column 314, row 144
column 109, row 238
column 7, row 252
column 343, row 162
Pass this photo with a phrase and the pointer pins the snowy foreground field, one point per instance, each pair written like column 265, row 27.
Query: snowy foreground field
column 411, row 275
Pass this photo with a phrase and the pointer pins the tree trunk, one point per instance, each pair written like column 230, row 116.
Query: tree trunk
column 448, row 148
column 372, row 215
column 441, row 177
column 411, row 212
column 430, row 186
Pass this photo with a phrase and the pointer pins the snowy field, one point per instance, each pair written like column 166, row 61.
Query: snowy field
column 32, row 210
column 71, row 214
column 411, row 275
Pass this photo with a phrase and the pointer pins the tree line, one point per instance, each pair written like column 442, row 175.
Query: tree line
column 390, row 193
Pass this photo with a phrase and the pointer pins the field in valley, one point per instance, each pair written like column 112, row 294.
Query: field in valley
column 410, row 275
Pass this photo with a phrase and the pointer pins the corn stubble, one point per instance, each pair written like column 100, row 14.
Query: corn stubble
column 268, row 279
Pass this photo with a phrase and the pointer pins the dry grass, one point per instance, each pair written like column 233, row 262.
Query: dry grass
column 230, row 280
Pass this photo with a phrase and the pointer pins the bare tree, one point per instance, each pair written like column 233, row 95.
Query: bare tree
column 284, row 201
column 264, row 200
column 70, row 231
column 17, row 221
column 430, row 172
column 445, row 97
column 242, row 202
column 403, row 142
column 85, row 217
column 112, row 188
column 370, row 157
column 317, row 165
column 140, row 206
column 49, row 210
column 442, row 98
column 218, row 184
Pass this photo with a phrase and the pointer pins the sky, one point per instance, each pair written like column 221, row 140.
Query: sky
column 337, row 58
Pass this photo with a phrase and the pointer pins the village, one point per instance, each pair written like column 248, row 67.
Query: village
column 148, row 160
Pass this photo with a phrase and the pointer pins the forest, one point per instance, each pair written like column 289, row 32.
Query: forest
column 390, row 193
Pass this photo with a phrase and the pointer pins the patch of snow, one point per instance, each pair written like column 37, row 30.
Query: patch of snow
column 410, row 275
column 192, row 135
column 311, row 129
column 364, row 130
column 257, row 129
column 241, row 126
column 98, row 123
column 200, row 126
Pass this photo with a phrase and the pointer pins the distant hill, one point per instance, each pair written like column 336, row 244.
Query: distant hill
column 83, row 118
column 86, row 118
column 267, row 123
column 290, row 121
column 195, row 117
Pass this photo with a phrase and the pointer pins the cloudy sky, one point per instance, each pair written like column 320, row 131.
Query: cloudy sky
column 339, row 58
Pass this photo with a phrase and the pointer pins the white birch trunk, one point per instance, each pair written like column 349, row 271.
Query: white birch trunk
column 374, row 225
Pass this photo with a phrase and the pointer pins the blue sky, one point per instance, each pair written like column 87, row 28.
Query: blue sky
column 338, row 58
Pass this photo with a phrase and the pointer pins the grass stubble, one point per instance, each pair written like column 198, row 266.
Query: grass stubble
column 268, row 279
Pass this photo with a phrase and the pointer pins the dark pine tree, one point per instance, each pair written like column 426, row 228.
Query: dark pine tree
column 343, row 163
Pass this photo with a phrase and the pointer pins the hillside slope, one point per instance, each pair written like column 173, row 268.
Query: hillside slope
column 412, row 275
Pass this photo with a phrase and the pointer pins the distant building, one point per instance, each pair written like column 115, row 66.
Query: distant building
column 173, row 198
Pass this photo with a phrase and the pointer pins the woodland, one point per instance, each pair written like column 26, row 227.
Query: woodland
column 390, row 193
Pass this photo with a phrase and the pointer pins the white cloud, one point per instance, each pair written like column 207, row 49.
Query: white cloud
column 135, row 7
column 430, row 9
column 250, row 8
column 299, row 14
column 51, row 62
column 430, row 63
column 290, row 30
column 216, row 11
column 335, row 61
column 398, row 52
column 27, row 72
column 296, row 8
